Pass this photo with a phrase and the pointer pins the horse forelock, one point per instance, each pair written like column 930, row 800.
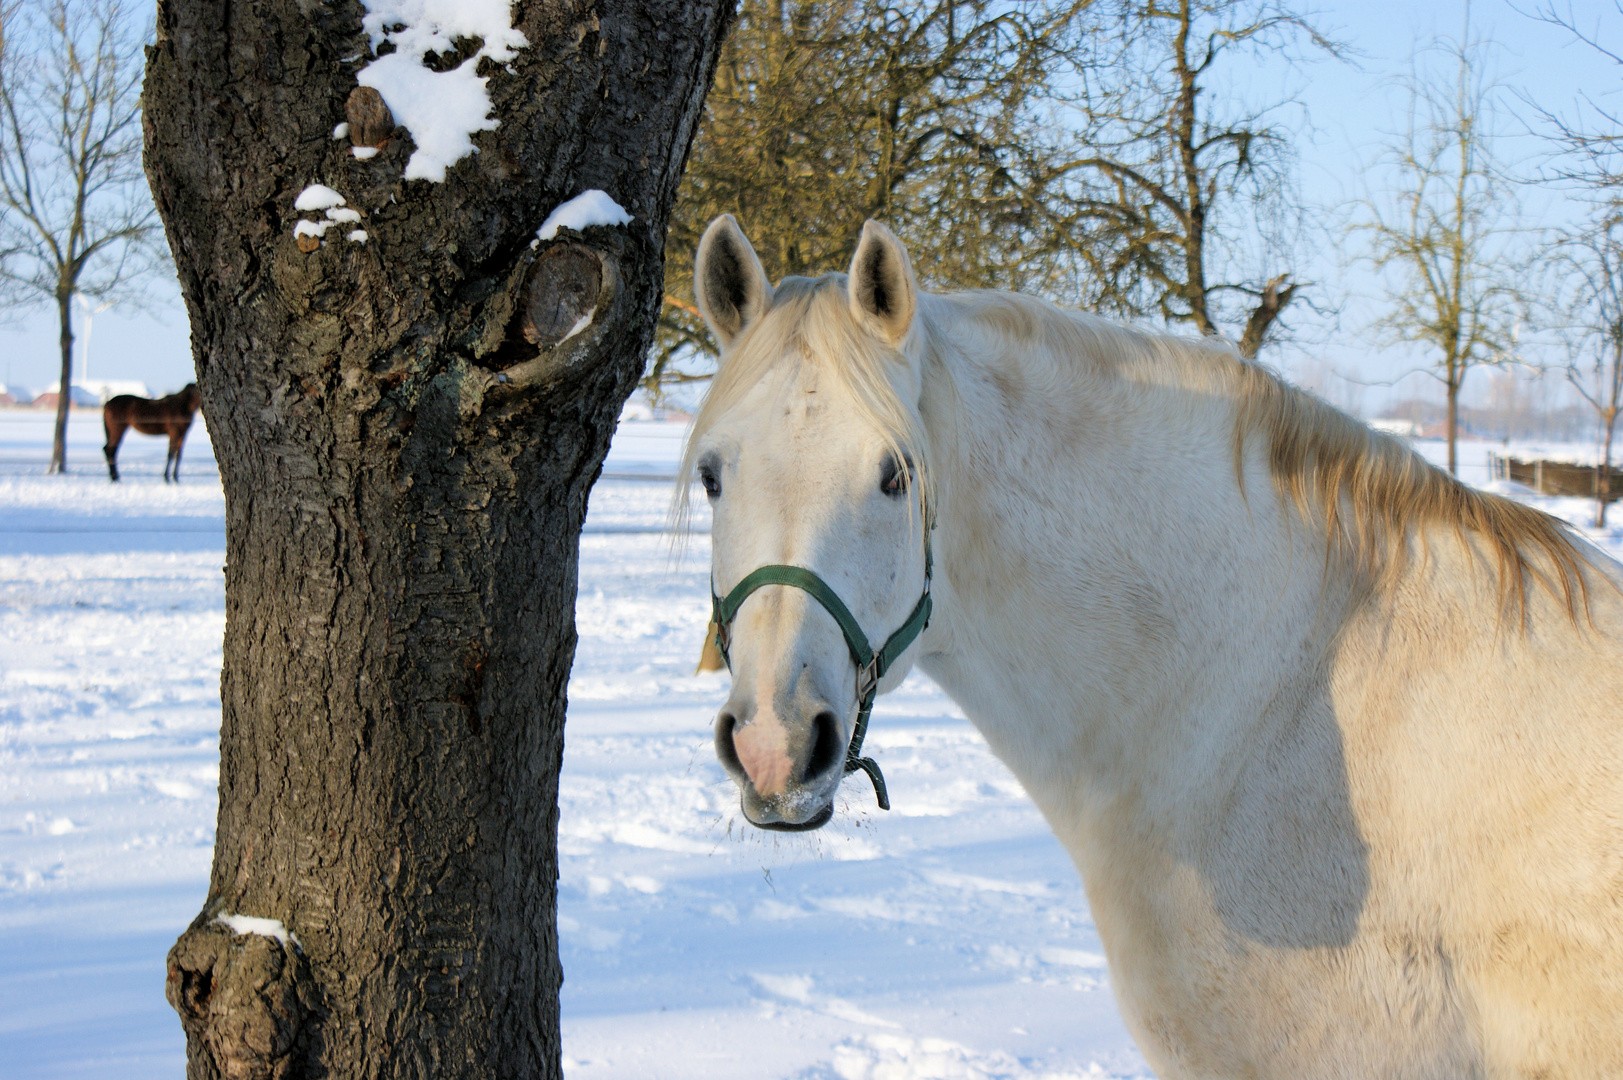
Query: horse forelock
column 1365, row 488
column 810, row 322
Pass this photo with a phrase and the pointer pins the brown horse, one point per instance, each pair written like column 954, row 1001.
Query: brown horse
column 171, row 416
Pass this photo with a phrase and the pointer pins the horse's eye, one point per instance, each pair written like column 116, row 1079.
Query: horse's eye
column 893, row 476
column 711, row 482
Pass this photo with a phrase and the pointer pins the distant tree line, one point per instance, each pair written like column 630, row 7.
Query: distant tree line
column 1070, row 148
column 1114, row 155
column 1514, row 412
column 927, row 115
column 1474, row 280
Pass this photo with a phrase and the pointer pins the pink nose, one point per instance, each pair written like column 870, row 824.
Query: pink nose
column 763, row 750
column 776, row 757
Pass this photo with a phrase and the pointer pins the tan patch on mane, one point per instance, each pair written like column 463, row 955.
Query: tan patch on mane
column 1369, row 489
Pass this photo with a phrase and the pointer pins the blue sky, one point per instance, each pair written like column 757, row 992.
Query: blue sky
column 1349, row 105
column 1354, row 107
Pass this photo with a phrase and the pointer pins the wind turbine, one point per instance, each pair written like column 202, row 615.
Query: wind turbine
column 84, row 349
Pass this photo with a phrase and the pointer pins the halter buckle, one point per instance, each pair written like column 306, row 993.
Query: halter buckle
column 867, row 678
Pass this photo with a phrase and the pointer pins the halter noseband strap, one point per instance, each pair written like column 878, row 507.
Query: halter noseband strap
column 871, row 663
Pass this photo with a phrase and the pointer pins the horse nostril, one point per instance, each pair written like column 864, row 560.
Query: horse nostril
column 725, row 750
column 826, row 747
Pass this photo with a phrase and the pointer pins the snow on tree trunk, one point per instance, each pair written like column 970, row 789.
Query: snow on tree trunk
column 406, row 460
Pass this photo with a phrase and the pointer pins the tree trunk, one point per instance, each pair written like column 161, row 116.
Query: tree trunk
column 1455, row 378
column 406, row 442
column 1603, row 475
column 64, row 398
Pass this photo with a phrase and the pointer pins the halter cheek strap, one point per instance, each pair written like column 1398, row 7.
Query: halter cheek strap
column 872, row 664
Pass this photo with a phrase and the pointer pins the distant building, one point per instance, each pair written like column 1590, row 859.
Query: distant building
column 82, row 399
column 107, row 389
column 94, row 394
column 14, row 395
column 638, row 407
column 1408, row 429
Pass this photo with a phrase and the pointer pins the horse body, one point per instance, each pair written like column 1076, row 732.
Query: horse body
column 171, row 416
column 1339, row 762
column 1322, row 832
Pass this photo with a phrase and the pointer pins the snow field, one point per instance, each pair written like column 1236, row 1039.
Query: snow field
column 111, row 614
column 947, row 939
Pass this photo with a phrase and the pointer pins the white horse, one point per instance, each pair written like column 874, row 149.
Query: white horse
column 1335, row 741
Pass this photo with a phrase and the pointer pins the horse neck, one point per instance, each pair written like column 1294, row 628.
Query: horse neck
column 1106, row 590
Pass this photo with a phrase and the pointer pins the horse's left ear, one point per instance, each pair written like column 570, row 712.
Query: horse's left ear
column 884, row 292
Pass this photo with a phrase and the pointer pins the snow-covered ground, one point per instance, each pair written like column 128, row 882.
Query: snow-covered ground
column 947, row 938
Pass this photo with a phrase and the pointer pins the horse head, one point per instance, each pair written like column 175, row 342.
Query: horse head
column 811, row 453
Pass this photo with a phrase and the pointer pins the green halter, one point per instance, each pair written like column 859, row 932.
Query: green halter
column 871, row 663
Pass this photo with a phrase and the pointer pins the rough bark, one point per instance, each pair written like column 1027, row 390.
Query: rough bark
column 406, row 450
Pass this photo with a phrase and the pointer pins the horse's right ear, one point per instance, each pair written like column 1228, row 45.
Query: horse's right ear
column 727, row 277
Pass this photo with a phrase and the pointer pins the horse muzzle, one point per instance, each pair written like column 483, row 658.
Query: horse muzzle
column 763, row 815
column 786, row 779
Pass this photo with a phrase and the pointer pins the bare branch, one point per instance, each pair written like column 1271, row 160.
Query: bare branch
column 1188, row 204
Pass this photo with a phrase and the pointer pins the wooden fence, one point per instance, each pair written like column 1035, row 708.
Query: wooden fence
column 1555, row 477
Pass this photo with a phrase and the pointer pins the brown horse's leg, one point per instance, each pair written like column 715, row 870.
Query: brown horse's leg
column 177, row 443
column 115, row 435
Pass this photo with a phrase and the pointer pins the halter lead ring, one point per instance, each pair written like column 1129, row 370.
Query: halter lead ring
column 871, row 663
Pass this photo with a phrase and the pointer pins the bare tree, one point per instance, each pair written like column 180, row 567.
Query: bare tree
column 1589, row 135
column 928, row 114
column 1183, row 195
column 1444, row 226
column 1078, row 148
column 1588, row 141
column 77, row 216
column 1588, row 269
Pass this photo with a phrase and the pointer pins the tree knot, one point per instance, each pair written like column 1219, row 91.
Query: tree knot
column 561, row 296
column 243, row 999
